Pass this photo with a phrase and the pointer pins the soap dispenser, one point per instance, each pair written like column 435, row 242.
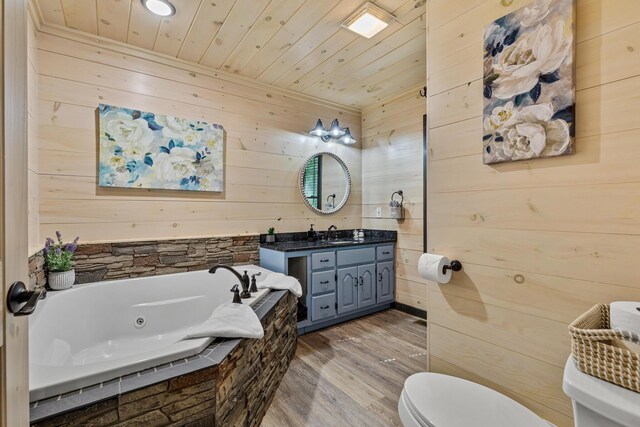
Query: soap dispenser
column 311, row 234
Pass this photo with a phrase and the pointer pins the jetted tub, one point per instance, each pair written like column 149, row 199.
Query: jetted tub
column 100, row 331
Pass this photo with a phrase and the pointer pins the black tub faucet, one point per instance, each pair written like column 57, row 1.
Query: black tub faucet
column 254, row 285
column 244, row 280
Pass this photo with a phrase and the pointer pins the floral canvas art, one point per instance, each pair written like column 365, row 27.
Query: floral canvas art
column 146, row 150
column 529, row 93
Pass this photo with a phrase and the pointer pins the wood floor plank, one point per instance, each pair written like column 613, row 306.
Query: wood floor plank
column 351, row 374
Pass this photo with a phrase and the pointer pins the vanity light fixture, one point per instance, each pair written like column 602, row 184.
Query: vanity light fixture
column 369, row 20
column 343, row 135
column 159, row 7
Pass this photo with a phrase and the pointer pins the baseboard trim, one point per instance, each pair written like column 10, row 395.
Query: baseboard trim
column 410, row 310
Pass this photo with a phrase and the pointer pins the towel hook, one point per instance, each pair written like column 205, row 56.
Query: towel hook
column 397, row 210
column 399, row 193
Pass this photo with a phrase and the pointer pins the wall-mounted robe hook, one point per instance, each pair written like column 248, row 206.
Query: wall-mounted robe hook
column 423, row 92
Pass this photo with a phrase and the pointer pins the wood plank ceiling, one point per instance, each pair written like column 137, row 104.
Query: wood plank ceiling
column 293, row 44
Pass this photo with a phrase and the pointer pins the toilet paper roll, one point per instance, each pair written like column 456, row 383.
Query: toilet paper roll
column 625, row 315
column 430, row 267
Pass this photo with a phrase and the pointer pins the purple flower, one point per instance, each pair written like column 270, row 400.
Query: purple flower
column 59, row 236
column 70, row 247
column 47, row 245
column 58, row 251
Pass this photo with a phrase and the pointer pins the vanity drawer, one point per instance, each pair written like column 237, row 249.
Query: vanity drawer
column 322, row 282
column 356, row 256
column 323, row 260
column 384, row 252
column 323, row 307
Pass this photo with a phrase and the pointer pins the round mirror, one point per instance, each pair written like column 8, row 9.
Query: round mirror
column 325, row 183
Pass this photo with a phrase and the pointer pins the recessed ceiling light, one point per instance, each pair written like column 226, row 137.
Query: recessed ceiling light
column 159, row 7
column 369, row 20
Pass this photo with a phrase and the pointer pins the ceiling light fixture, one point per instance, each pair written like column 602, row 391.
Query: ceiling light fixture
column 369, row 20
column 343, row 135
column 159, row 7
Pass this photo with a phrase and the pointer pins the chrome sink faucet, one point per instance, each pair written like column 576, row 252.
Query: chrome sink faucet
column 334, row 229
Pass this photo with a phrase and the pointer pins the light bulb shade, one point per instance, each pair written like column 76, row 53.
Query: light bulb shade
column 159, row 7
column 369, row 20
column 347, row 138
column 318, row 130
column 336, row 131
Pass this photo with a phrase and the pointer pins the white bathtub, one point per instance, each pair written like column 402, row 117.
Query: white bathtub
column 99, row 331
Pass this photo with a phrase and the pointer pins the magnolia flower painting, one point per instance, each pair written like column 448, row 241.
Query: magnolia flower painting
column 529, row 93
column 147, row 150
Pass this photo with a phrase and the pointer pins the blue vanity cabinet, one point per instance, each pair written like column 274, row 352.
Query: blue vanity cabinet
column 338, row 284
column 367, row 288
column 348, row 283
column 386, row 278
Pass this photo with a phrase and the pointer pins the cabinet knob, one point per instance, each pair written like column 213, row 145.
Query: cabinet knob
column 380, row 277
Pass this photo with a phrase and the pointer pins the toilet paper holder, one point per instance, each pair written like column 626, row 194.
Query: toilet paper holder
column 454, row 266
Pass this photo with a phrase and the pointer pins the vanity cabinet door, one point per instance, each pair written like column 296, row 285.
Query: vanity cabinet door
column 347, row 289
column 367, row 285
column 385, row 281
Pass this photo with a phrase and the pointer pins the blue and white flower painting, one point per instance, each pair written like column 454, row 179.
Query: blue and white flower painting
column 529, row 92
column 147, row 150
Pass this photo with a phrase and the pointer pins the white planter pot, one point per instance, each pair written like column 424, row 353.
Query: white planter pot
column 270, row 238
column 61, row 280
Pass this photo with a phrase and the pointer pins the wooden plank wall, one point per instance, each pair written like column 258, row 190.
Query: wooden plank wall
column 392, row 160
column 266, row 144
column 32, row 134
column 541, row 241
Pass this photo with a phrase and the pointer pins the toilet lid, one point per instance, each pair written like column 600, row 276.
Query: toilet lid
column 437, row 400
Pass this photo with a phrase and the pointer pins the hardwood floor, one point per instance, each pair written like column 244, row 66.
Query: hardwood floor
column 351, row 374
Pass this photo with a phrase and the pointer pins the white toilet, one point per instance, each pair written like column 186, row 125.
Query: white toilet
column 598, row 403
column 436, row 400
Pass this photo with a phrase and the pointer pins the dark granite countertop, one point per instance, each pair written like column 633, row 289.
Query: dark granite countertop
column 291, row 242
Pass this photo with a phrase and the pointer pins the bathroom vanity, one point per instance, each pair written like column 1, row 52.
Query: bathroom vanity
column 341, row 279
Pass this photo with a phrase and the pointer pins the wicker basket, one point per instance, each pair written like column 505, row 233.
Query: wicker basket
column 594, row 352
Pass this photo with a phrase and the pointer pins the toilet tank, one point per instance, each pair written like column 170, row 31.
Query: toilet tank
column 598, row 403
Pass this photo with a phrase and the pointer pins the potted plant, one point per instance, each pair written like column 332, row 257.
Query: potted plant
column 58, row 258
column 271, row 235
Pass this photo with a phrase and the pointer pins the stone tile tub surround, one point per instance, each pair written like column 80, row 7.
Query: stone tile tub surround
column 231, row 383
column 107, row 261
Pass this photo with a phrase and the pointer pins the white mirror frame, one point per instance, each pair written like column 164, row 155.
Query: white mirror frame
column 301, row 184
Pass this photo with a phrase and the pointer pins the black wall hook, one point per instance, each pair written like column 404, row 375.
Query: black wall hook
column 423, row 92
